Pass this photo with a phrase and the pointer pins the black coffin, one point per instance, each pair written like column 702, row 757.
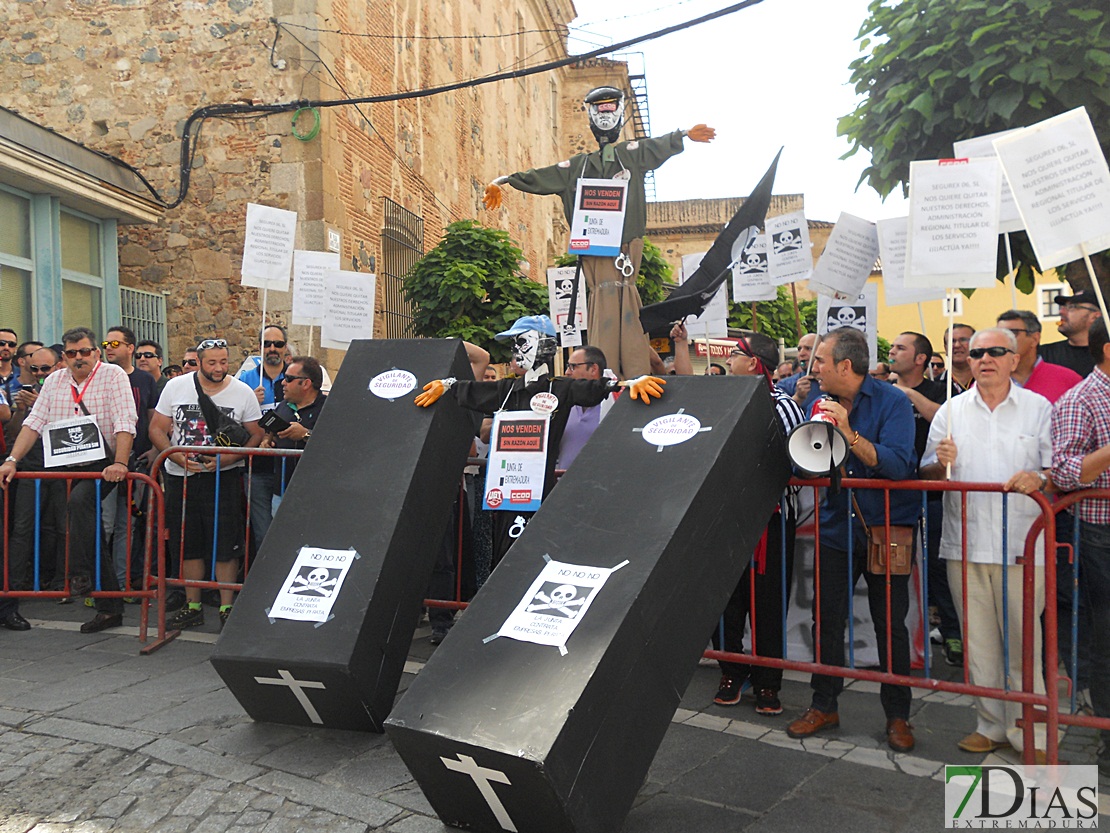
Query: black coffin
column 380, row 477
column 509, row 735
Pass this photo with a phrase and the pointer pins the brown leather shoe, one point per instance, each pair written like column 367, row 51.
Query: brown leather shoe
column 811, row 722
column 980, row 744
column 899, row 734
column 102, row 621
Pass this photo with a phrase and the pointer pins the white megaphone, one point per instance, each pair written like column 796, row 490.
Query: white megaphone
column 817, row 448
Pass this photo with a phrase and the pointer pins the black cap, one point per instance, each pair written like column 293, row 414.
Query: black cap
column 1087, row 296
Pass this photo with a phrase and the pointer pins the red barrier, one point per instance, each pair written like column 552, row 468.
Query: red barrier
column 151, row 554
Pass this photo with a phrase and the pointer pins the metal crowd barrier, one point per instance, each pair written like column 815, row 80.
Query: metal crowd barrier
column 151, row 555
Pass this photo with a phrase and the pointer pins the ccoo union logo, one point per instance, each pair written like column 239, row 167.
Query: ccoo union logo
column 1021, row 797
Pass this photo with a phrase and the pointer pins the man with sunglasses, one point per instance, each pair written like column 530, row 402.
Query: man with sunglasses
column 86, row 399
column 266, row 378
column 1077, row 313
column 209, row 528
column 148, row 358
column 9, row 371
column 189, row 361
column 24, row 389
column 300, row 408
column 585, row 363
column 999, row 434
column 119, row 349
column 755, row 355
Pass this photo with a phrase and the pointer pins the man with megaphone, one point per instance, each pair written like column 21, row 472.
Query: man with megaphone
column 877, row 423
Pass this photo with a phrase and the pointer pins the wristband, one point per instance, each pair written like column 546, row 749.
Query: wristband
column 855, row 440
column 10, row 459
column 448, row 382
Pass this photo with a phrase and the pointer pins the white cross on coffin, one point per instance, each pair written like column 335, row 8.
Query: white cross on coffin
column 482, row 778
column 297, row 687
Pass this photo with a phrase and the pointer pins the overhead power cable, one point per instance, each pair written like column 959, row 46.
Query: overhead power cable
column 242, row 110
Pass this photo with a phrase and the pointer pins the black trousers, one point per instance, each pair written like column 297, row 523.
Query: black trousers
column 86, row 532
column 836, row 587
column 768, row 612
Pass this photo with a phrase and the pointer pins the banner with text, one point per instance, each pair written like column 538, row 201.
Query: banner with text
column 268, row 247
column 790, row 255
column 751, row 277
column 348, row 310
column 848, row 259
column 517, row 461
column 560, row 285
column 309, row 278
column 597, row 224
column 893, row 235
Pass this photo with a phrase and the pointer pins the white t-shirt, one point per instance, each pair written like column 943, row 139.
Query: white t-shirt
column 179, row 402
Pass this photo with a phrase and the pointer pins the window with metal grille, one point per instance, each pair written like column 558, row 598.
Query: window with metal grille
column 402, row 247
column 145, row 313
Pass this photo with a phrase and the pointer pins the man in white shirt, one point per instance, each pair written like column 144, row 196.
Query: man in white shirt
column 179, row 421
column 1000, row 434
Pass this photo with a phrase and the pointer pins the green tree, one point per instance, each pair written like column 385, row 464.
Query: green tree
column 470, row 287
column 937, row 71
column 653, row 278
column 775, row 318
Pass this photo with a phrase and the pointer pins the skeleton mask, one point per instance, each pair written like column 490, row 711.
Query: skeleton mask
column 605, row 106
column 532, row 349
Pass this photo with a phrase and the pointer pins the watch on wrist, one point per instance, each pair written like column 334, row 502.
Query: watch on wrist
column 11, row 459
column 1044, row 479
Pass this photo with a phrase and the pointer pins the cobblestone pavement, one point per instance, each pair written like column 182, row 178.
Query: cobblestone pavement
column 95, row 737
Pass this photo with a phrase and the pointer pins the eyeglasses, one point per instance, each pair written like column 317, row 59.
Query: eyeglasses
column 993, row 352
column 146, row 355
column 277, row 344
column 569, row 365
column 4, row 343
column 1064, row 305
column 84, row 351
column 937, row 365
column 188, row 362
column 1021, row 330
column 966, row 340
column 210, row 343
column 114, row 343
column 289, row 378
column 40, row 368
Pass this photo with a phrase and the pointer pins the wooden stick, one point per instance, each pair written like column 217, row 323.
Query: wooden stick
column 1011, row 274
column 1094, row 281
column 797, row 315
column 755, row 319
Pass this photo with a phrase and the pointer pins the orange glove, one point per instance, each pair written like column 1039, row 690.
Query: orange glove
column 701, row 133
column 492, row 199
column 645, row 388
column 432, row 392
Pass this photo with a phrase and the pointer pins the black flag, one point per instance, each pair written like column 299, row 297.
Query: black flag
column 692, row 297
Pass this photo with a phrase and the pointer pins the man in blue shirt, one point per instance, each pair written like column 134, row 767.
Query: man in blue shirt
column 877, row 421
column 267, row 379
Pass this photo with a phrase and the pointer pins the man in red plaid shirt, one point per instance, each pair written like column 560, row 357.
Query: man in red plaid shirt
column 86, row 416
column 1081, row 460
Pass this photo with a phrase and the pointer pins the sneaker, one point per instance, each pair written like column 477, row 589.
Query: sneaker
column 175, row 600
column 224, row 614
column 954, row 652
column 729, row 690
column 935, row 637
column 186, row 618
column 767, row 702
column 90, row 601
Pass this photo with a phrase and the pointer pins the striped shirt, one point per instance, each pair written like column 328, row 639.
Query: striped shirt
column 106, row 393
column 791, row 415
column 1081, row 425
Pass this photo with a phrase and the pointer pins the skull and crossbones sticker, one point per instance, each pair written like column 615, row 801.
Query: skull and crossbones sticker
column 788, row 240
column 855, row 317
column 562, row 599
column 317, row 581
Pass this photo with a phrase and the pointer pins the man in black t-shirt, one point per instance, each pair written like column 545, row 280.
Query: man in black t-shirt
column 300, row 408
column 1077, row 313
column 129, row 532
column 910, row 354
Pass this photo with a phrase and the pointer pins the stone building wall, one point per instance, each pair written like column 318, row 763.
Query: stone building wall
column 122, row 76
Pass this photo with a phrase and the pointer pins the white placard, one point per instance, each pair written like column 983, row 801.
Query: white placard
column 517, row 463
column 69, row 442
column 597, row 224
column 313, row 585
column 1062, row 186
column 348, row 310
column 715, row 315
column 268, row 247
column 848, row 259
column 309, row 271
column 392, row 384
column 953, row 240
column 555, row 603
column 790, row 255
column 861, row 313
column 893, row 235
column 671, row 429
column 560, row 282
column 751, row 278
column 1009, row 218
